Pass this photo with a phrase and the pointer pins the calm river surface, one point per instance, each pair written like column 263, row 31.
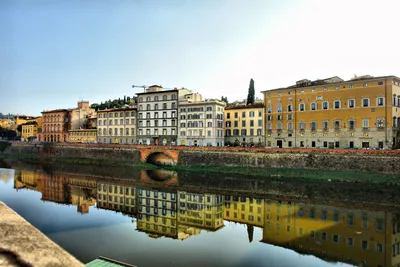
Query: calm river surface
column 168, row 223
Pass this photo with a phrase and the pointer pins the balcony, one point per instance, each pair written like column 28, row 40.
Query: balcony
column 279, row 131
column 313, row 129
column 380, row 128
column 352, row 128
column 196, row 136
column 325, row 129
column 365, row 128
column 337, row 129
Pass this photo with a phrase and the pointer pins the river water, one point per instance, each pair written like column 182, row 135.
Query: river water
column 164, row 218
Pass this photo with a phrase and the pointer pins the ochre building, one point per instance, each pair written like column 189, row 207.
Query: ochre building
column 244, row 125
column 363, row 112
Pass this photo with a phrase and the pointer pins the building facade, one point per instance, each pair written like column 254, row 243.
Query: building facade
column 244, row 125
column 201, row 123
column 29, row 132
column 79, row 115
column 157, row 212
column 82, row 136
column 158, row 115
column 244, row 210
column 117, row 196
column 117, row 125
column 334, row 233
column 55, row 125
column 202, row 211
column 363, row 112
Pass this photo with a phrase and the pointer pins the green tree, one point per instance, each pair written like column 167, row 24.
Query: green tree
column 250, row 95
column 124, row 99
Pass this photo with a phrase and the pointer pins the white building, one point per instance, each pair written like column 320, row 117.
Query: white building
column 116, row 125
column 201, row 122
column 158, row 115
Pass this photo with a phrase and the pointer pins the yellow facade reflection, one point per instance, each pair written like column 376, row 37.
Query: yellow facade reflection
column 361, row 237
column 245, row 210
column 116, row 196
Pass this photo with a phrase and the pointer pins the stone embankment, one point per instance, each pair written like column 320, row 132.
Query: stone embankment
column 379, row 161
column 23, row 245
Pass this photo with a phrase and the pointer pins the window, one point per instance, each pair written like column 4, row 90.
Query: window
column 269, row 109
column 325, row 105
column 352, row 103
column 313, row 106
column 337, row 104
column 290, row 126
column 365, row 123
column 365, row 102
column 352, row 124
column 365, row 84
column 302, row 125
column 279, row 108
column 301, row 107
column 164, row 97
column 335, row 239
column 228, row 115
column 351, row 85
column 350, row 241
column 289, row 108
column 336, row 125
column 313, row 126
column 380, row 101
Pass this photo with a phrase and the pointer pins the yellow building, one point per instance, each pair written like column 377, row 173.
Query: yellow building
column 157, row 212
column 116, row 196
column 244, row 210
column 333, row 113
column 359, row 237
column 201, row 211
column 82, row 136
column 29, row 132
column 244, row 125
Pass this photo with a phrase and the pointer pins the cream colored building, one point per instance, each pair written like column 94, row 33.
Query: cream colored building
column 82, row 136
column 201, row 122
column 203, row 211
column 158, row 115
column 244, row 124
column 117, row 125
column 116, row 196
column 362, row 112
column 80, row 115
column 157, row 212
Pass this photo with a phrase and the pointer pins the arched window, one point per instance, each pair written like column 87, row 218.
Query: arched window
column 164, row 97
column 140, row 99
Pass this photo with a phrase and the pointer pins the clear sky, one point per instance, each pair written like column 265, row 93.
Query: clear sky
column 55, row 52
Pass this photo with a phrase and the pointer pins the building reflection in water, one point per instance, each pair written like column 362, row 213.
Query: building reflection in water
column 333, row 233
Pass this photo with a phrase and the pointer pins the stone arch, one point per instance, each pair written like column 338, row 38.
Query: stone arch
column 159, row 158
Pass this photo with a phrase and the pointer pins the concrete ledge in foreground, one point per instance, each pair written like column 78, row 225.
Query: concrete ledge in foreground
column 21, row 244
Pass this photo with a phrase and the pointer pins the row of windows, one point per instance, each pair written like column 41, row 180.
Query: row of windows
column 164, row 106
column 337, row 124
column 173, row 123
column 156, row 98
column 200, row 116
column 337, row 104
column 244, row 123
column 199, row 124
column 156, row 132
column 120, row 132
column 82, row 133
column 128, row 201
column 109, row 188
column 251, row 114
column 164, row 115
column 121, row 122
column 116, row 114
column 196, row 109
column 243, row 132
column 199, row 133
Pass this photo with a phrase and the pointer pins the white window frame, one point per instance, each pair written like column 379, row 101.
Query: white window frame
column 334, row 104
column 304, row 107
column 365, row 125
column 327, row 105
column 377, row 101
column 316, row 106
column 362, row 102
column 291, row 126
column 348, row 103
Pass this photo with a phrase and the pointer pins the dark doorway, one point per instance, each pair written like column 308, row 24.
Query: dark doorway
column 279, row 143
column 351, row 145
column 313, row 144
column 365, row 144
column 380, row 145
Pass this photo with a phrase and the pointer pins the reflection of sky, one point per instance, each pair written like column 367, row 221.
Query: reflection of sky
column 110, row 234
column 6, row 174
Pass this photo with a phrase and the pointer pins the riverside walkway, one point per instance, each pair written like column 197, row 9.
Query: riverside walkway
column 21, row 244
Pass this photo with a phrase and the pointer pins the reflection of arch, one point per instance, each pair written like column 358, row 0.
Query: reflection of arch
column 159, row 158
column 160, row 175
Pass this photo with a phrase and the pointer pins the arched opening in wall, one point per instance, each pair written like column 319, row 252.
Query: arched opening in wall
column 160, row 175
column 160, row 159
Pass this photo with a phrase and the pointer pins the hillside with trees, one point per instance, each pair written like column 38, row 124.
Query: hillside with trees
column 116, row 103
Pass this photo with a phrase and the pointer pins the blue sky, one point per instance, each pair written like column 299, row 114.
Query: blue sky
column 55, row 52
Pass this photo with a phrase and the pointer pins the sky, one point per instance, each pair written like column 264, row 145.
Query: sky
column 54, row 53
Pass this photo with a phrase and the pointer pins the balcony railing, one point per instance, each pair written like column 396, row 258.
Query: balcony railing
column 196, row 136
column 325, row 129
column 352, row 128
column 380, row 128
column 337, row 129
column 365, row 128
column 313, row 129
